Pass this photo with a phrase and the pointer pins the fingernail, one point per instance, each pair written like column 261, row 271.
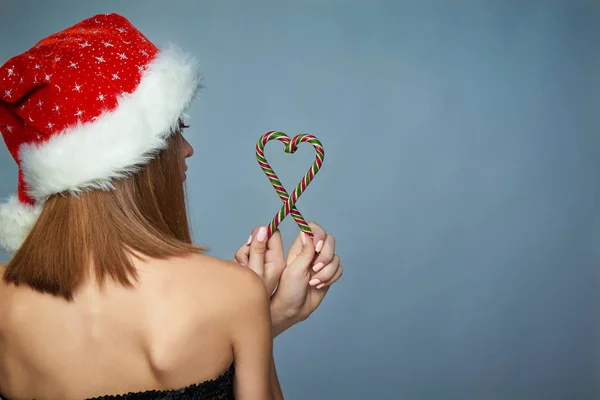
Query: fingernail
column 314, row 282
column 320, row 286
column 262, row 234
column 319, row 246
column 249, row 240
column 303, row 237
column 242, row 264
column 318, row 267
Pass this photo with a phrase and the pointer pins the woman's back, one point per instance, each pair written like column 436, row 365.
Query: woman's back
column 174, row 329
column 87, row 307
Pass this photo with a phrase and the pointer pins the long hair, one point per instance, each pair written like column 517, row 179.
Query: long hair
column 96, row 234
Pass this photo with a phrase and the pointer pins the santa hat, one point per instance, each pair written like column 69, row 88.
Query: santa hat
column 84, row 106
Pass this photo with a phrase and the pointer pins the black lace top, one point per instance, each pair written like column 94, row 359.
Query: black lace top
column 220, row 388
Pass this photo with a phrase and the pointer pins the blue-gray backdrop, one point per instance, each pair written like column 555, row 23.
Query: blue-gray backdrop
column 461, row 179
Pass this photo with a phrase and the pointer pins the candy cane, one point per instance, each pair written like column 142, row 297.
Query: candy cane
column 289, row 207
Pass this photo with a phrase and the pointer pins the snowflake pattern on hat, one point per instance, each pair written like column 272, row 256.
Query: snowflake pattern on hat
column 82, row 70
column 84, row 106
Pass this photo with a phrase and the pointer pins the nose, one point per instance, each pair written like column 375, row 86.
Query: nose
column 188, row 149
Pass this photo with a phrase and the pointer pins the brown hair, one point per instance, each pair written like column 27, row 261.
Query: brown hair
column 93, row 234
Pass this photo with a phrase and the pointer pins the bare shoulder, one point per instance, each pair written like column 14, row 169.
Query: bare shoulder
column 204, row 302
column 247, row 325
column 228, row 277
column 220, row 285
column 236, row 292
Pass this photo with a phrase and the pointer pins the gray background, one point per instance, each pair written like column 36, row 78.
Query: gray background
column 460, row 179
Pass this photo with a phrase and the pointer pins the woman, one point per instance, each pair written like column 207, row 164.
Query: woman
column 105, row 294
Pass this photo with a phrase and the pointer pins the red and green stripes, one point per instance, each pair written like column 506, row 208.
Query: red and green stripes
column 289, row 207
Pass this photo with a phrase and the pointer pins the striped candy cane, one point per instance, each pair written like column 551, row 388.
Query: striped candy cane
column 289, row 206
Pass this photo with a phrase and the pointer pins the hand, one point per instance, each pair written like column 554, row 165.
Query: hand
column 272, row 265
column 302, row 286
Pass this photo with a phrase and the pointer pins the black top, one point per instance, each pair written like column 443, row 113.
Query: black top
column 220, row 388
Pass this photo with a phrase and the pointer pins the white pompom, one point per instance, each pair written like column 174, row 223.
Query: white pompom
column 16, row 221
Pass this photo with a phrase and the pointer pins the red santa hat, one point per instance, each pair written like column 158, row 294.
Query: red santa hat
column 85, row 106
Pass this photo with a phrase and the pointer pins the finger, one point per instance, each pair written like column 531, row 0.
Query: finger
column 258, row 248
column 274, row 261
column 252, row 235
column 294, row 250
column 303, row 262
column 319, row 235
column 275, row 246
column 326, row 273
column 327, row 254
column 320, row 291
column 336, row 277
column 242, row 255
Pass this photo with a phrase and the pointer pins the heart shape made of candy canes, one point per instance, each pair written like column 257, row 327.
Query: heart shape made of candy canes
column 289, row 206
